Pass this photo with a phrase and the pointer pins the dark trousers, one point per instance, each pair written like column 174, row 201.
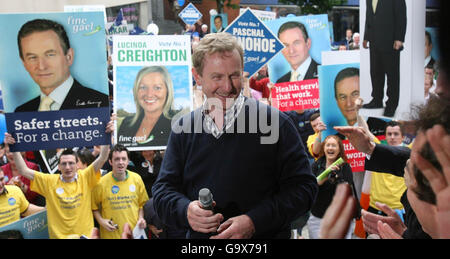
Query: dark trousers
column 384, row 64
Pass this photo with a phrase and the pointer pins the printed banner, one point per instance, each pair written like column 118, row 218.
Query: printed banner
column 339, row 90
column 190, row 14
column 262, row 15
column 355, row 158
column 153, row 79
column 298, row 95
column 57, row 77
column 304, row 38
column 31, row 227
column 55, row 129
column 260, row 45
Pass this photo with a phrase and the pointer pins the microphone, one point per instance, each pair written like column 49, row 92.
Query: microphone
column 206, row 199
column 206, row 202
column 328, row 170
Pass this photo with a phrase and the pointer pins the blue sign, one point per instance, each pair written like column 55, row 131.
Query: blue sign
column 58, row 129
column 190, row 14
column 259, row 43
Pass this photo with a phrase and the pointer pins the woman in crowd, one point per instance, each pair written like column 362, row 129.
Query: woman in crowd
column 332, row 149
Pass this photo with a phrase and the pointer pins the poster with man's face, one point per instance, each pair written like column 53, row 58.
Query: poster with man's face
column 218, row 22
column 339, row 91
column 304, row 38
column 54, row 81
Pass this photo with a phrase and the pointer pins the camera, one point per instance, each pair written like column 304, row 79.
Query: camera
column 334, row 178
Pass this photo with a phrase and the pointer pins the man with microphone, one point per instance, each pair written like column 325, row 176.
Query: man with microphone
column 249, row 155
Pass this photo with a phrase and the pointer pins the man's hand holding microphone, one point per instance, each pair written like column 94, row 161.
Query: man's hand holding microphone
column 202, row 219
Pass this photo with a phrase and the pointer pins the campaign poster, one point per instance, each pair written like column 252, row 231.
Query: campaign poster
column 262, row 15
column 153, row 80
column 339, row 97
column 315, row 27
column 294, row 70
column 300, row 95
column 259, row 43
column 55, row 86
column 218, row 22
column 190, row 14
column 32, row 227
column 392, row 57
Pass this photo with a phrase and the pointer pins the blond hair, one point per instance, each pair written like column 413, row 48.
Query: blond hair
column 168, row 83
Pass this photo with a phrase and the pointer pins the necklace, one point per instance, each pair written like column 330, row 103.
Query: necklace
column 144, row 131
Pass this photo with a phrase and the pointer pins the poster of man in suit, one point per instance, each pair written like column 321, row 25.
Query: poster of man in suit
column 390, row 55
column 304, row 38
column 59, row 65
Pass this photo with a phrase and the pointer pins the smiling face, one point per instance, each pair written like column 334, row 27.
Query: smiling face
column 45, row 60
column 221, row 78
column 347, row 92
column 331, row 149
column 296, row 49
column 152, row 93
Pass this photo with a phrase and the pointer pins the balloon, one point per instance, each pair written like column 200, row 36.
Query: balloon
column 153, row 29
column 212, row 12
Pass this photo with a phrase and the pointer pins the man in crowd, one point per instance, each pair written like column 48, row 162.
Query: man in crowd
column 314, row 141
column 387, row 188
column 13, row 204
column 260, row 189
column 119, row 197
column 67, row 195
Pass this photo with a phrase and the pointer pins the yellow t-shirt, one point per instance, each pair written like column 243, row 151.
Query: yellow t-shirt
column 386, row 188
column 310, row 142
column 12, row 204
column 119, row 201
column 68, row 205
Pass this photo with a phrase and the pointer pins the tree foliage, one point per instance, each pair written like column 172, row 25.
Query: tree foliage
column 315, row 6
column 222, row 3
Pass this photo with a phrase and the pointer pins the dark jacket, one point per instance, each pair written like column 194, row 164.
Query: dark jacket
column 328, row 188
column 391, row 159
column 311, row 73
column 160, row 131
column 271, row 183
column 77, row 98
column 386, row 25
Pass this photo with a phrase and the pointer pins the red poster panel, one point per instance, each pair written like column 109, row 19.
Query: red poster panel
column 298, row 95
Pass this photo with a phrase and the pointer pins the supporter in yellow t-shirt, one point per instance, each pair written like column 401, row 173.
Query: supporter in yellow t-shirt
column 314, row 141
column 388, row 188
column 119, row 197
column 67, row 195
column 13, row 203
